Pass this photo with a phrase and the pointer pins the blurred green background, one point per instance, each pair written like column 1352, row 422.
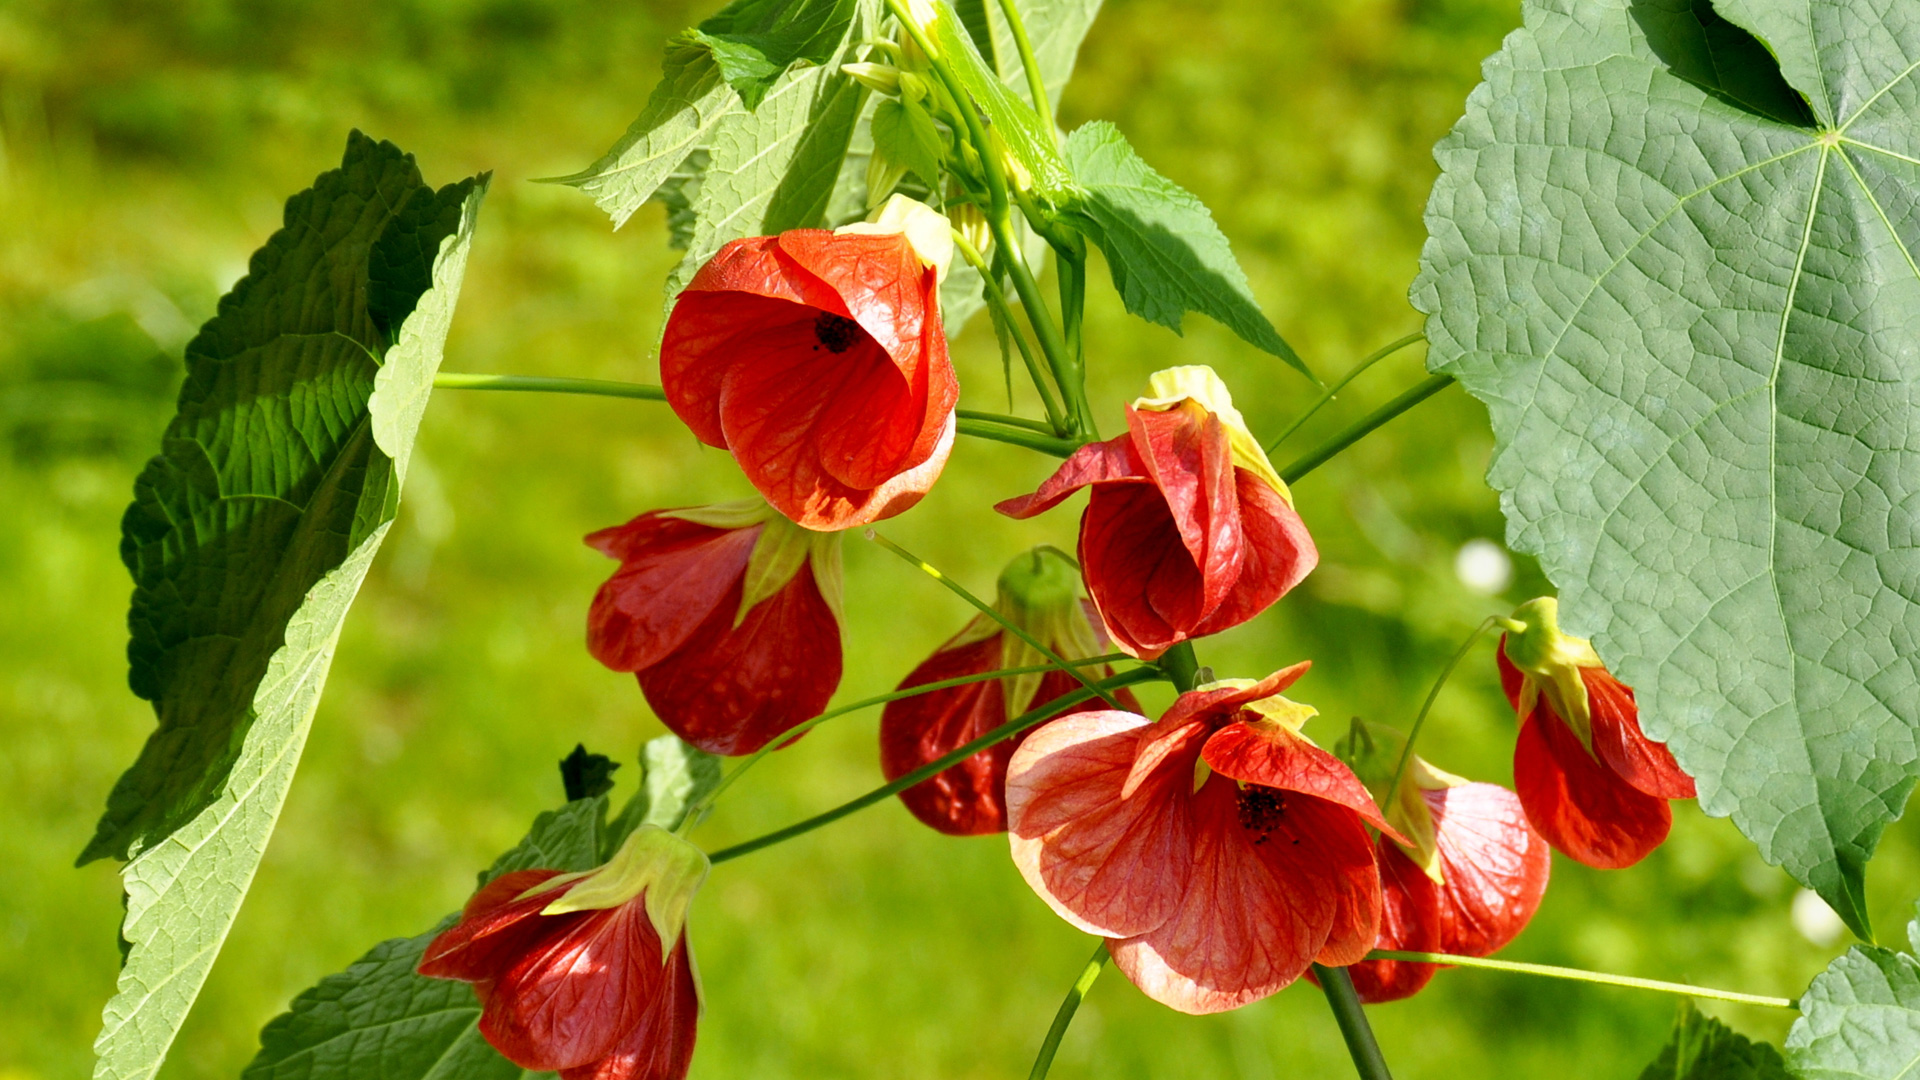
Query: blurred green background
column 147, row 148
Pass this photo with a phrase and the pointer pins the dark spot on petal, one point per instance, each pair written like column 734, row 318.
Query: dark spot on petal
column 836, row 332
column 1261, row 809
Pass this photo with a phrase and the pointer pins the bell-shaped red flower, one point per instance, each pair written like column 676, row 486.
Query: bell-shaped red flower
column 1469, row 877
column 1215, row 886
column 1189, row 530
column 1040, row 594
column 587, row 974
column 818, row 358
column 728, row 615
column 1592, row 782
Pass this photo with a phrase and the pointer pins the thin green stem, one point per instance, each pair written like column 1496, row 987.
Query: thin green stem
column 1363, row 427
column 700, row 806
column 997, row 298
column 1005, row 731
column 454, row 380
column 988, row 610
column 1036, row 84
column 1577, row 975
column 1406, row 752
column 1066, row 371
column 1337, row 985
column 1001, row 418
column 1051, row 1044
column 1032, row 440
column 1334, row 390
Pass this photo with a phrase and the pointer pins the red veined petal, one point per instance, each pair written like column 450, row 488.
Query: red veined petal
column 1260, row 905
column 1224, row 701
column 1094, row 463
column 1618, row 740
column 1271, row 756
column 1409, row 922
column 881, row 282
column 1494, row 865
column 1277, row 555
column 1579, row 805
column 968, row 799
column 660, row 1045
column 1138, row 569
column 572, row 999
column 1346, row 855
column 493, row 930
column 673, row 574
column 1109, row 863
column 1186, row 453
column 897, row 495
column 731, row 690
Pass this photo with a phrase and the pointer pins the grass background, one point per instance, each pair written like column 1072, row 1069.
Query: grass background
column 145, row 151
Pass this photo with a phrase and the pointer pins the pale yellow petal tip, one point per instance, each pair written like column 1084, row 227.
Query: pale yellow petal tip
column 665, row 868
column 926, row 229
column 1201, row 385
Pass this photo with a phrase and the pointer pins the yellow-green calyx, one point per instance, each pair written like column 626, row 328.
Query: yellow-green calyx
column 1276, row 711
column 654, row 864
column 778, row 554
column 1040, row 594
column 1373, row 752
column 1197, row 383
column 1551, row 662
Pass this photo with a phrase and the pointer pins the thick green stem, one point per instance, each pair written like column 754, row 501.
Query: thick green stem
column 453, row 380
column 1181, row 666
column 1577, row 975
column 1051, row 1045
column 1363, row 427
column 1005, row 731
column 1332, row 391
column 1036, row 83
column 1420, row 719
column 1337, row 985
column 997, row 299
column 1067, row 374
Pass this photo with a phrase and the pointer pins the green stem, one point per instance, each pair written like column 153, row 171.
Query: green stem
column 1181, row 666
column 1334, row 390
column 1009, row 421
column 700, row 806
column 1005, row 731
column 988, row 610
column 1036, row 85
column 1032, row 440
column 1051, row 1045
column 1337, row 985
column 454, row 380
column 997, row 298
column 1600, row 977
column 1406, row 752
column 1363, row 427
column 1066, row 371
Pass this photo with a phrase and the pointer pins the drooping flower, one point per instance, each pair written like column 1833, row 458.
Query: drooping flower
column 1040, row 594
column 1592, row 782
column 1469, row 877
column 586, row 973
column 728, row 615
column 1218, row 850
column 1188, row 530
column 817, row 358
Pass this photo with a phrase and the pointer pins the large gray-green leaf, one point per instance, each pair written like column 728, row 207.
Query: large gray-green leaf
column 1697, row 329
column 1702, row 1048
column 378, row 1020
column 1166, row 254
column 249, row 536
column 1860, row 1020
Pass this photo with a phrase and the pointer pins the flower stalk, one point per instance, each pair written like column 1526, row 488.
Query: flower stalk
column 1364, row 427
column 1579, row 975
column 1051, row 1044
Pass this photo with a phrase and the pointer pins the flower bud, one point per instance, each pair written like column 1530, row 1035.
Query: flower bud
column 971, row 224
column 882, row 78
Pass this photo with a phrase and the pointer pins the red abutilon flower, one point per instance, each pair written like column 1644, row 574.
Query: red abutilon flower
column 818, row 358
column 586, row 973
column 1189, row 530
column 1040, row 594
column 1469, row 876
column 728, row 615
column 1218, row 850
column 1592, row 782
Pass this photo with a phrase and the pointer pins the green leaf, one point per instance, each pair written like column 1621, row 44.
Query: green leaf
column 249, row 536
column 674, row 774
column 1055, row 29
column 1707, row 50
column 754, row 41
column 585, row 775
column 1697, row 331
column 1166, row 255
column 905, row 133
column 1860, row 1020
column 1007, row 113
column 378, row 1019
column 1702, row 1048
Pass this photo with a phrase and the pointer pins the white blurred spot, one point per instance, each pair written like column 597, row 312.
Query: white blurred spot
column 1816, row 921
column 1483, row 566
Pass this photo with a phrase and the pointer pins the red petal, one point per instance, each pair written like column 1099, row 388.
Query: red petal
column 493, row 931
column 731, row 690
column 673, row 574
column 1579, row 805
column 968, row 799
column 1409, row 922
column 1511, row 680
column 1494, row 864
column 1093, row 463
column 1258, row 908
column 573, row 999
column 1223, row 702
column 660, row 1045
column 1185, row 451
column 1618, row 740
column 1271, row 756
column 1138, row 570
column 1278, row 554
column 1109, row 863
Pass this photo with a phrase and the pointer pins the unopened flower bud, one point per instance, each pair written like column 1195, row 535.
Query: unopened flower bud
column 884, row 78
column 971, row 224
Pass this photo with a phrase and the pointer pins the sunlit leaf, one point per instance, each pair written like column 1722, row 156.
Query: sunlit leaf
column 1860, row 1020
column 1702, row 1048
